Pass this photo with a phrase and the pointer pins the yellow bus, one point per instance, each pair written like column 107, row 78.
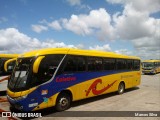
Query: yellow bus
column 5, row 71
column 150, row 66
column 58, row 76
column 3, row 59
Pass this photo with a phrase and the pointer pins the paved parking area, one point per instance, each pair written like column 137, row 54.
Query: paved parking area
column 145, row 97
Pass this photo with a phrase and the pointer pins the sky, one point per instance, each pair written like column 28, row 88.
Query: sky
column 130, row 27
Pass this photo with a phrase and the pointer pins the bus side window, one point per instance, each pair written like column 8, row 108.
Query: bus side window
column 70, row 65
column 95, row 64
column 129, row 64
column 109, row 64
column 121, row 64
column 47, row 68
column 136, row 65
column 81, row 64
column 75, row 64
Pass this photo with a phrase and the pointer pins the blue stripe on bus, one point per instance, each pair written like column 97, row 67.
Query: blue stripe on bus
column 54, row 87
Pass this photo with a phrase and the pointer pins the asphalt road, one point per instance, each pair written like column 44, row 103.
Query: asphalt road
column 145, row 97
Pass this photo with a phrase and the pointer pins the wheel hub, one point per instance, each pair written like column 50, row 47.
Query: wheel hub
column 121, row 88
column 63, row 102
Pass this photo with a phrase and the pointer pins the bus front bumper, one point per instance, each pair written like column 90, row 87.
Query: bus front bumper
column 19, row 103
column 14, row 103
column 148, row 71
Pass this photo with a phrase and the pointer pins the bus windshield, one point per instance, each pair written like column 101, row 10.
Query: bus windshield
column 20, row 74
column 148, row 64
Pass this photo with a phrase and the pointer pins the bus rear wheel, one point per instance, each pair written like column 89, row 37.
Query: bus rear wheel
column 121, row 88
column 63, row 102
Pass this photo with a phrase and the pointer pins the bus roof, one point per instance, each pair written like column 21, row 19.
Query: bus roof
column 75, row 52
column 151, row 61
column 8, row 55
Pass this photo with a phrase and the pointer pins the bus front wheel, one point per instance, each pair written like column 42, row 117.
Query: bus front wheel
column 63, row 102
column 121, row 88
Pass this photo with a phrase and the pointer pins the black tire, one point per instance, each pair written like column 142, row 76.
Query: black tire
column 63, row 102
column 121, row 88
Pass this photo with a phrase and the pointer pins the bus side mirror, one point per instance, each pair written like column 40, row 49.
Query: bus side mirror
column 8, row 66
column 37, row 63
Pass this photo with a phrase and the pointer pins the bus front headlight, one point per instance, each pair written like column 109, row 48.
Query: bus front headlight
column 20, row 98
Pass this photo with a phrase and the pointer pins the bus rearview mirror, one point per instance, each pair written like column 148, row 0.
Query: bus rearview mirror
column 6, row 64
column 37, row 63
